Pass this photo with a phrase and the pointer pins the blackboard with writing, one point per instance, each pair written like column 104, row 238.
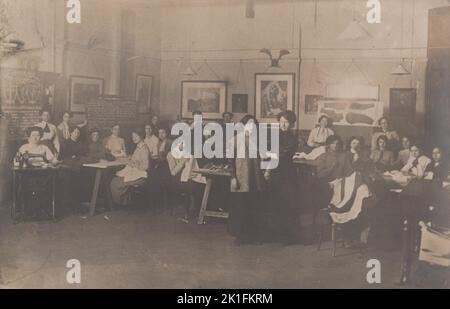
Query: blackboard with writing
column 104, row 113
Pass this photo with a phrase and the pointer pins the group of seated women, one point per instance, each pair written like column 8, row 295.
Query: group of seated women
column 153, row 162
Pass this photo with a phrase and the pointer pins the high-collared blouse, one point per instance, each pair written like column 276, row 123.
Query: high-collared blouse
column 64, row 130
column 140, row 157
column 153, row 145
column 38, row 149
column 50, row 133
column 116, row 145
column 318, row 136
column 416, row 166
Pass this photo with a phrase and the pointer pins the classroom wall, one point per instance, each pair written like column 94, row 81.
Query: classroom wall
column 220, row 33
column 218, row 42
column 92, row 48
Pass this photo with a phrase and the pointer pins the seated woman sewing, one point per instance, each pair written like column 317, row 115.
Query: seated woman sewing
column 35, row 153
column 417, row 163
column 183, row 179
column 135, row 172
column 342, row 190
column 331, row 165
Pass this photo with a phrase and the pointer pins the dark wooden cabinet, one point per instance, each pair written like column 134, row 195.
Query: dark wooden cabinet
column 437, row 121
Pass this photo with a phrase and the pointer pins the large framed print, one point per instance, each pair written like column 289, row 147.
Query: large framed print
column 209, row 97
column 143, row 92
column 274, row 93
column 82, row 90
column 351, row 112
column 402, row 103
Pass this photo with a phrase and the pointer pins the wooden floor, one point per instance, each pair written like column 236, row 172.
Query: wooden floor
column 141, row 249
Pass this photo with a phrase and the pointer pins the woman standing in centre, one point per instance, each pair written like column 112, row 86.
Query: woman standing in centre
column 247, row 184
column 282, row 182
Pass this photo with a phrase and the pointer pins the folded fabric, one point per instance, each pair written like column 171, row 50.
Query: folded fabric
column 348, row 198
column 131, row 173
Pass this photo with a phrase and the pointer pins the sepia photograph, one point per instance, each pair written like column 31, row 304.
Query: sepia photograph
column 218, row 152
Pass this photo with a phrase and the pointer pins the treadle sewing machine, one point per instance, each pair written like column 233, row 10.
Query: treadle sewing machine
column 34, row 187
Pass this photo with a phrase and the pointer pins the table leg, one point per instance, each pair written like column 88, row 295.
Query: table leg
column 406, row 261
column 98, row 176
column 14, row 201
column 205, row 200
column 54, row 196
column 22, row 203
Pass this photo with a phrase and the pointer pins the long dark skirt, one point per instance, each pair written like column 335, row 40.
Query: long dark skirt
column 245, row 222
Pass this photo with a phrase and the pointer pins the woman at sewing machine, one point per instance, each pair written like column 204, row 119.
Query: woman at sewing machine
column 34, row 153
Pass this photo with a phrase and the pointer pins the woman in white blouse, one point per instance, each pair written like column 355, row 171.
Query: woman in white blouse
column 134, row 173
column 417, row 163
column 115, row 144
column 49, row 137
column 319, row 135
column 152, row 141
column 65, row 125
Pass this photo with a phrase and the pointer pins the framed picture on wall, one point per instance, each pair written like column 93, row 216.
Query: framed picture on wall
column 143, row 92
column 239, row 103
column 402, row 103
column 209, row 97
column 311, row 103
column 82, row 90
column 274, row 93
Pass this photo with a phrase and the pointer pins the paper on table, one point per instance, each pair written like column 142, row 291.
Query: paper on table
column 314, row 154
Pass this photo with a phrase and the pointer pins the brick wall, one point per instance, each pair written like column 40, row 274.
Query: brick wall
column 104, row 113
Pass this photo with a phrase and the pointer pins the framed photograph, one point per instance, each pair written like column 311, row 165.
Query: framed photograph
column 239, row 103
column 83, row 89
column 143, row 92
column 274, row 93
column 311, row 106
column 402, row 103
column 209, row 97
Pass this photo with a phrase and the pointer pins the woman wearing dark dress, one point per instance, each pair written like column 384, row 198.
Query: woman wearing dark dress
column 283, row 181
column 247, row 185
column 382, row 157
column 356, row 154
column 73, row 149
column 72, row 153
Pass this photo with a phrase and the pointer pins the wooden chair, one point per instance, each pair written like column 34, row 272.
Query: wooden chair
column 327, row 220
